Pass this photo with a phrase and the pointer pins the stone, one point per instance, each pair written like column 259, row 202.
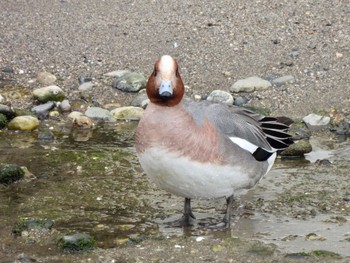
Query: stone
column 127, row 113
column 10, row 173
column 297, row 149
column 99, row 114
column 75, row 114
column 82, row 122
column 86, row 87
column 130, row 82
column 316, row 122
column 117, row 73
column 2, row 99
column 43, row 109
column 240, row 101
column 250, row 84
column 49, row 93
column 77, row 242
column 140, row 100
column 220, row 97
column 6, row 110
column 283, row 80
column 64, row 106
column 46, row 78
column 23, row 123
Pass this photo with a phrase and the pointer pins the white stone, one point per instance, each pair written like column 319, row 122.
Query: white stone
column 250, row 84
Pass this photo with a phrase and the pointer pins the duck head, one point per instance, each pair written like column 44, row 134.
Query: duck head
column 165, row 86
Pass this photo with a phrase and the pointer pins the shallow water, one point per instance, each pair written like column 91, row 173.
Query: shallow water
column 92, row 182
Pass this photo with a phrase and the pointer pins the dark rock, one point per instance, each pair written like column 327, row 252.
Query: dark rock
column 43, row 109
column 10, row 173
column 8, row 70
column 240, row 101
column 298, row 148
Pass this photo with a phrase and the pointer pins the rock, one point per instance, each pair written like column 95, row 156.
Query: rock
column 316, row 122
column 64, row 106
column 3, row 120
column 7, row 111
column 83, row 79
column 77, row 242
column 23, row 123
column 117, row 73
column 220, row 97
column 140, row 100
column 54, row 113
column 240, row 101
column 2, row 99
column 10, row 173
column 127, row 113
column 86, row 87
column 27, row 224
column 8, row 70
column 49, row 93
column 297, row 149
column 130, row 82
column 82, row 122
column 45, row 135
column 75, row 114
column 99, row 114
column 43, row 109
column 111, row 106
column 283, row 80
column 46, row 78
column 250, row 84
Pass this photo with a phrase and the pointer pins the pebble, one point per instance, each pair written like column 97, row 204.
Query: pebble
column 43, row 109
column 75, row 114
column 99, row 114
column 127, row 113
column 220, row 97
column 86, row 87
column 117, row 73
column 64, row 106
column 23, row 123
column 240, row 101
column 283, row 80
column 49, row 93
column 130, row 82
column 250, row 84
column 2, row 99
column 140, row 100
column 6, row 110
column 46, row 78
column 82, row 122
column 314, row 121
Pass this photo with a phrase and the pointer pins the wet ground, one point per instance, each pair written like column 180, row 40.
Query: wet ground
column 92, row 183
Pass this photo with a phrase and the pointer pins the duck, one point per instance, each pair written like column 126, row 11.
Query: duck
column 201, row 149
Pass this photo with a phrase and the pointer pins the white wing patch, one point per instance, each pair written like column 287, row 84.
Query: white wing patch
column 248, row 146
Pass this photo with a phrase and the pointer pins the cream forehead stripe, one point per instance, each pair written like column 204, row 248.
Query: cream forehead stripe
column 166, row 66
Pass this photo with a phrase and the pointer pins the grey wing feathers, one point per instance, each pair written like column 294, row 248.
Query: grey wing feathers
column 264, row 132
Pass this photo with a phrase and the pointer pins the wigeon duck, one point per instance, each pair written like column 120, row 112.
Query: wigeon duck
column 202, row 149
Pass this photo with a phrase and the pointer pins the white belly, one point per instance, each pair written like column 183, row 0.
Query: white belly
column 184, row 177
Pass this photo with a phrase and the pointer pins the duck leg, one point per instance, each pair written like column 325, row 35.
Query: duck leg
column 188, row 216
column 226, row 221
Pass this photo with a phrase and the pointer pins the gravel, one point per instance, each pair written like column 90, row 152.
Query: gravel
column 307, row 39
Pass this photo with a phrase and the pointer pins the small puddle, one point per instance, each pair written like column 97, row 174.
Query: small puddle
column 92, row 183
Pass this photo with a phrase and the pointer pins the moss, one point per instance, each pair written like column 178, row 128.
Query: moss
column 325, row 254
column 28, row 223
column 10, row 173
column 261, row 249
column 3, row 120
column 77, row 242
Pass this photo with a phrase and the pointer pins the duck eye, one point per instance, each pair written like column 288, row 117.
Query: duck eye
column 155, row 73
